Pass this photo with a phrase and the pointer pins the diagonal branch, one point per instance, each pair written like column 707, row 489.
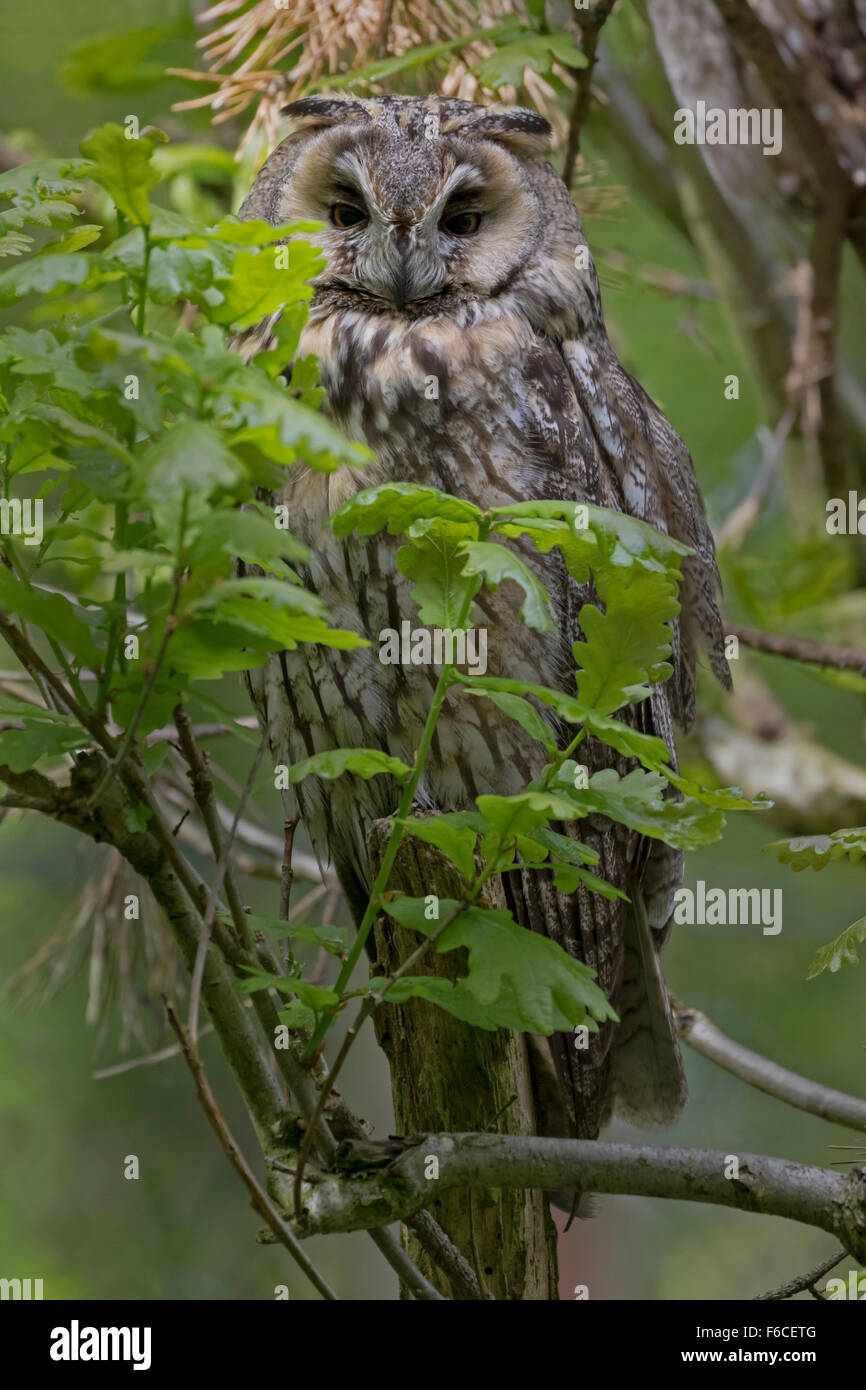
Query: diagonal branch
column 213, row 898
column 801, row 649
column 296, row 1075
column 768, row 1076
column 258, row 1198
column 803, row 1281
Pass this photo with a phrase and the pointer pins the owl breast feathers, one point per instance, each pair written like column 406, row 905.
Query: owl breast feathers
column 459, row 330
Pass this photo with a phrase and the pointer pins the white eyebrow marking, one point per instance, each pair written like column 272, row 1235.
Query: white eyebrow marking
column 348, row 165
column 465, row 176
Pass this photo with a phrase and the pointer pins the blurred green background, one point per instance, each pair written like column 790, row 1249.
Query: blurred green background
column 184, row 1230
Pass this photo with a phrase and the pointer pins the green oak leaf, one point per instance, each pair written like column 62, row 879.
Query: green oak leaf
column 363, row 762
column 516, row 978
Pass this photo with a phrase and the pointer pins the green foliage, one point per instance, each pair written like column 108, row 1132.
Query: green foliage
column 395, row 506
column 153, row 438
column 515, row 979
column 124, row 168
column 168, row 427
column 119, row 62
column 506, row 67
column 363, row 762
column 435, row 563
column 817, row 851
column 317, row 998
column 638, row 800
column 842, row 951
column 625, row 647
column 35, row 195
column 452, row 549
column 45, row 734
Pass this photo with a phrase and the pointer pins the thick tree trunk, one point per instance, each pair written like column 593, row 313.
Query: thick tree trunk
column 448, row 1077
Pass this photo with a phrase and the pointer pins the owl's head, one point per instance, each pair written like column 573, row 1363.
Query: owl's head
column 419, row 196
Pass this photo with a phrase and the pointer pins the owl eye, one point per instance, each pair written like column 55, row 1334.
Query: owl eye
column 461, row 223
column 345, row 215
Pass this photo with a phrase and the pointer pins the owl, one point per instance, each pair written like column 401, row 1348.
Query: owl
column 455, row 255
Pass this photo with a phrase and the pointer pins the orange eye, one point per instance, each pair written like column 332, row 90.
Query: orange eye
column 345, row 215
column 462, row 223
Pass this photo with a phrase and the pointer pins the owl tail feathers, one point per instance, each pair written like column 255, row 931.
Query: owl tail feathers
column 649, row 1083
column 553, row 1122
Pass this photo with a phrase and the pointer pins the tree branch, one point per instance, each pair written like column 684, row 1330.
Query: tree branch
column 743, row 516
column 803, row 1281
column 828, row 237
column 591, row 24
column 443, row 1251
column 258, row 1198
column 801, row 649
column 768, row 1076
column 155, row 856
column 782, row 44
column 251, row 1062
column 366, row 1194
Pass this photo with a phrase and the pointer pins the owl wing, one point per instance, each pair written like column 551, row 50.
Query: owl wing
column 657, row 484
column 616, row 449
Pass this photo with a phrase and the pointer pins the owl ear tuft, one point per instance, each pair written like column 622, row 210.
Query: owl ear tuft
column 316, row 113
column 521, row 131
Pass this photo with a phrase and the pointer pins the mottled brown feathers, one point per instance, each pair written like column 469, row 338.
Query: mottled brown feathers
column 479, row 365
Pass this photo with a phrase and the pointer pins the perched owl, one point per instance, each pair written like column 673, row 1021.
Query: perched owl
column 455, row 253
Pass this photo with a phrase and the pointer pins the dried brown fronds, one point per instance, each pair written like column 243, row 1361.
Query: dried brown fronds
column 130, row 959
column 261, row 54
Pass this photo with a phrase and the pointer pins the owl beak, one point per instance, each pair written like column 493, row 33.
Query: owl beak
column 401, row 276
column 402, row 272
column 401, row 283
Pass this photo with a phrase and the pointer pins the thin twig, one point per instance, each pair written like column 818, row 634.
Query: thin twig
column 384, row 29
column 742, row 518
column 287, row 873
column 444, row 1253
column 287, row 876
column 828, row 239
column 304, row 865
column 150, row 1060
column 32, row 662
column 259, row 1199
column 17, row 801
column 803, row 1281
column 591, row 24
column 801, row 649
column 385, row 1240
column 210, row 912
column 168, row 733
column 297, row 1077
column 153, row 676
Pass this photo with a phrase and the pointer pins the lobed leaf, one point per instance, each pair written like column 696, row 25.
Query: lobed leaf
column 516, row 978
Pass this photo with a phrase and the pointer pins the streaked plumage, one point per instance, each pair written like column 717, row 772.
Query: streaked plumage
column 532, row 402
